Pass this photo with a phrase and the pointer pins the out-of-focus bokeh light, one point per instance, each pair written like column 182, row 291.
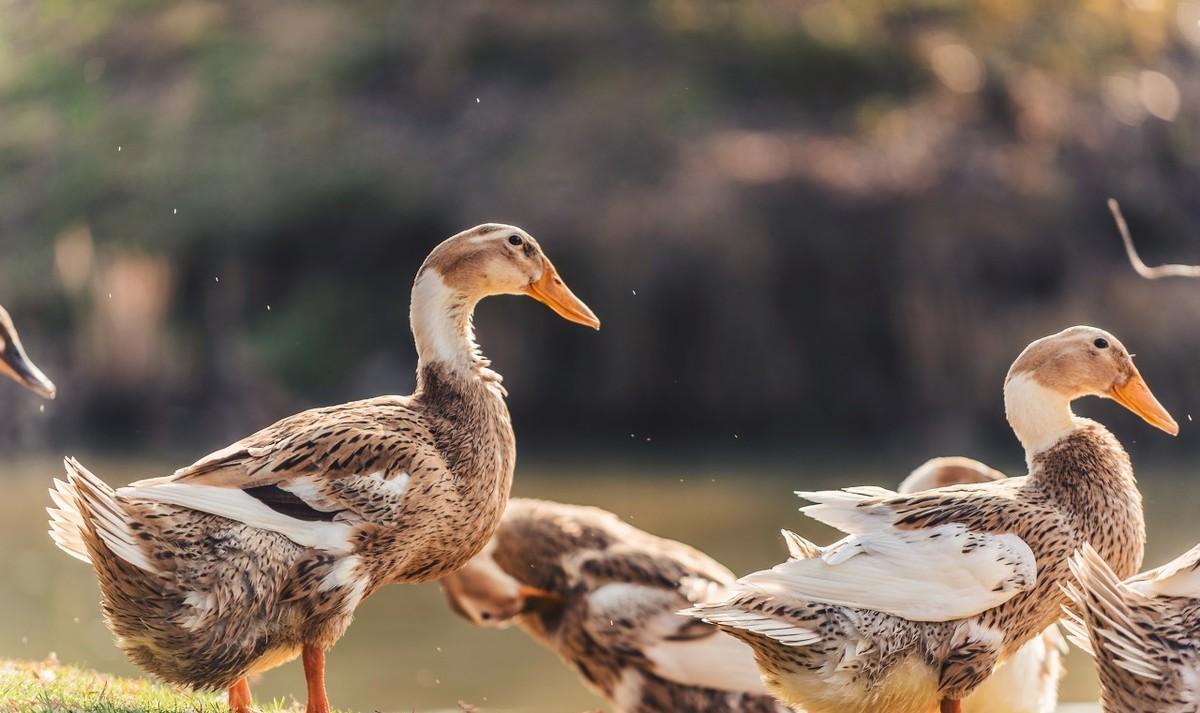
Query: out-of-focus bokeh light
column 958, row 67
column 1159, row 94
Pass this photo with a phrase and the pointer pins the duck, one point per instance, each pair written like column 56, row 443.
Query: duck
column 16, row 364
column 929, row 591
column 1027, row 682
column 260, row 552
column 1144, row 632
column 604, row 596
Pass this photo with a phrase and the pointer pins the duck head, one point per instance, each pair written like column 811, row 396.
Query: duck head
column 1055, row 370
column 951, row 470
column 15, row 364
column 489, row 259
column 486, row 595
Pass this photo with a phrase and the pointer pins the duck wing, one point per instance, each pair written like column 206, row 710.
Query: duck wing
column 902, row 557
column 313, row 477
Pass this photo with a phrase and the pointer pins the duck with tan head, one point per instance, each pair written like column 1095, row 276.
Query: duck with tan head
column 912, row 610
column 261, row 551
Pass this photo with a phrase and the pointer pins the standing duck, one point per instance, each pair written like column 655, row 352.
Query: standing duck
column 929, row 591
column 1144, row 632
column 604, row 596
column 261, row 551
column 15, row 364
column 1026, row 682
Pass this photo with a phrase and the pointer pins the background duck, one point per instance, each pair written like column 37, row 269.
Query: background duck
column 1144, row 632
column 604, row 596
column 1027, row 681
column 15, row 363
column 914, row 608
column 262, row 550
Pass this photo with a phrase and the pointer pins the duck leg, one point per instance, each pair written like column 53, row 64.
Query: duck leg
column 239, row 696
column 951, row 705
column 314, row 675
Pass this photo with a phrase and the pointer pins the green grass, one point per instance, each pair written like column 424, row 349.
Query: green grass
column 47, row 687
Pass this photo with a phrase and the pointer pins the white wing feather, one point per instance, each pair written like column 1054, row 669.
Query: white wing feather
column 235, row 504
column 1178, row 578
column 937, row 573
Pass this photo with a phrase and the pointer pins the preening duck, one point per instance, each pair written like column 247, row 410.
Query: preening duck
column 929, row 591
column 15, row 363
column 604, row 596
column 1027, row 681
column 261, row 551
column 1144, row 632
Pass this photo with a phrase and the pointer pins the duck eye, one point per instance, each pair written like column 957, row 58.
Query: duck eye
column 515, row 240
column 1101, row 343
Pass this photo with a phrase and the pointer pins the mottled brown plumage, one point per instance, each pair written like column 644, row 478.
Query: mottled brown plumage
column 262, row 550
column 15, row 363
column 1027, row 681
column 1144, row 632
column 604, row 595
column 931, row 590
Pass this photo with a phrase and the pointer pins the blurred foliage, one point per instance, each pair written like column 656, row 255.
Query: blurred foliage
column 831, row 222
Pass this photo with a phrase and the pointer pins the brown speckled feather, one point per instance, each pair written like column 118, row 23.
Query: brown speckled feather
column 604, row 596
column 1144, row 632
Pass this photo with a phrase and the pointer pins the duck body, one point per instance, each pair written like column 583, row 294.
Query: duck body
column 1144, row 632
column 229, row 598
column 859, row 660
column 261, row 551
column 930, row 591
column 1027, row 681
column 604, row 596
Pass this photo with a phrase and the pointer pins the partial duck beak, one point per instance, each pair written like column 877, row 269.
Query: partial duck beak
column 539, row 601
column 551, row 291
column 1135, row 396
column 15, row 364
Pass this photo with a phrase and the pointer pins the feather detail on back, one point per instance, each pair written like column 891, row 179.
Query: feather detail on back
column 798, row 547
column 884, row 568
column 88, row 504
column 1107, row 626
column 1178, row 578
column 239, row 505
column 738, row 618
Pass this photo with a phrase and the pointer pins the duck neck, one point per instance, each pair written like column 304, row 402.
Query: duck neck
column 442, row 329
column 1040, row 416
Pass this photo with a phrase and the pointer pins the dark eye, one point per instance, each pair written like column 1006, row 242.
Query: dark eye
column 1101, row 343
column 515, row 240
column 488, row 615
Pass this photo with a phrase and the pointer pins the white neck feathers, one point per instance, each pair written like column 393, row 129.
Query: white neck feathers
column 441, row 323
column 1040, row 416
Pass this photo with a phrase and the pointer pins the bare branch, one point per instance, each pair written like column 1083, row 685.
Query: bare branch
column 1150, row 273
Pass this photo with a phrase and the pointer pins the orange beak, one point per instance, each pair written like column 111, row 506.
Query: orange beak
column 551, row 291
column 540, row 601
column 1135, row 396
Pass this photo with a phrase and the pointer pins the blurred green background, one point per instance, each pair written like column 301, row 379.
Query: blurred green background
column 817, row 234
